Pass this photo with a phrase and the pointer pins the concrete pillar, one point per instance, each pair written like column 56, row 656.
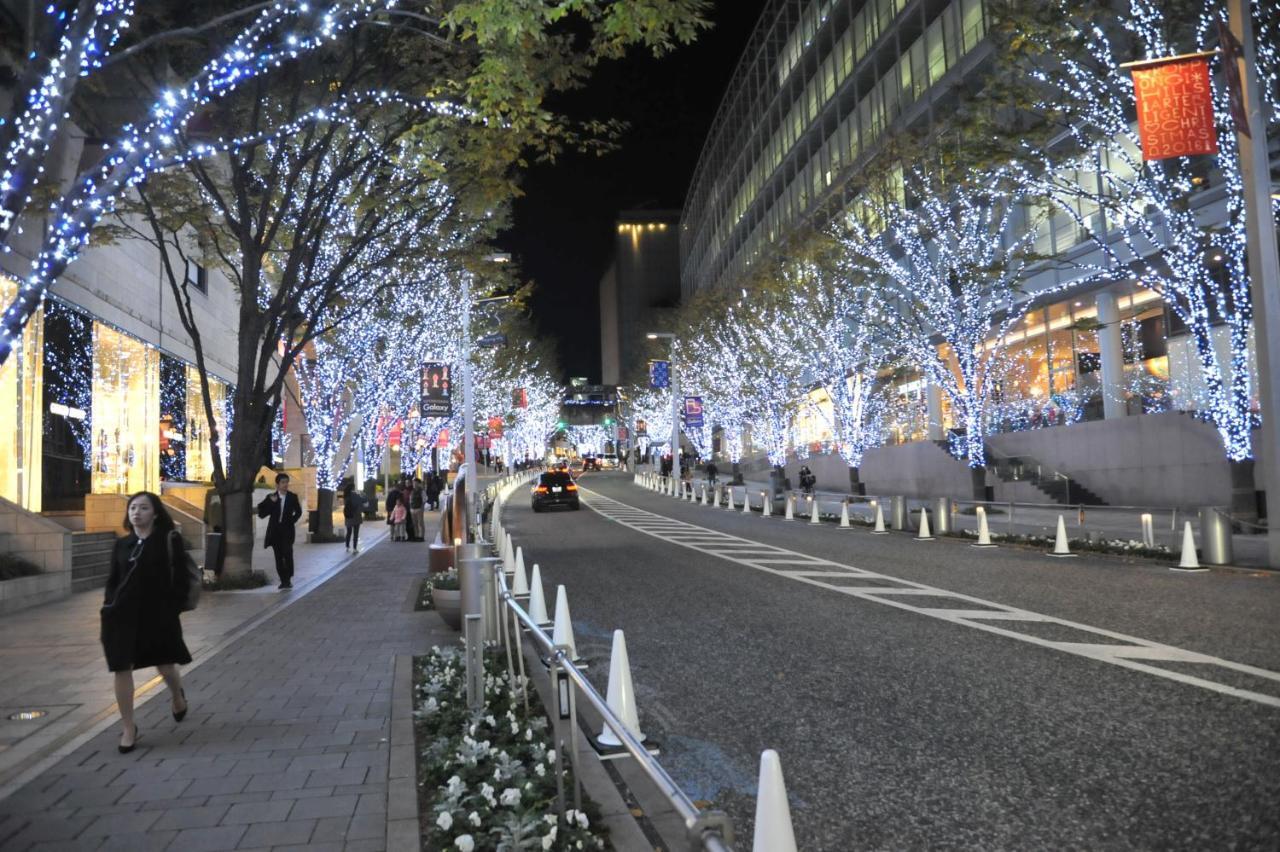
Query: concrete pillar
column 933, row 406
column 1111, row 351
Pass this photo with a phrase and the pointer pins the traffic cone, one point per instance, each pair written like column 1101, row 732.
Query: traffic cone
column 537, row 602
column 844, row 514
column 764, row 504
column 1189, row 561
column 879, row 528
column 519, row 565
column 746, row 501
column 562, row 633
column 729, row 498
column 924, row 534
column 520, row 585
column 508, row 558
column 790, row 515
column 984, row 534
column 715, row 497
column 1060, row 542
column 622, row 695
column 813, row 517
column 773, row 815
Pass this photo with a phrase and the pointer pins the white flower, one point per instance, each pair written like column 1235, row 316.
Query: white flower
column 490, row 721
column 465, row 843
column 528, row 734
column 547, row 841
column 576, row 816
column 511, row 796
column 432, row 705
column 445, row 821
column 474, row 819
column 455, row 785
column 551, row 755
column 540, row 770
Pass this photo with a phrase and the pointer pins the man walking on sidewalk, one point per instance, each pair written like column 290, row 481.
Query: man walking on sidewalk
column 283, row 509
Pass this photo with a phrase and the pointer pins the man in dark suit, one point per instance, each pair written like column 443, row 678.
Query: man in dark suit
column 283, row 509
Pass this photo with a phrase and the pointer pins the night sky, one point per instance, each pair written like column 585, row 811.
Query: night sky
column 562, row 235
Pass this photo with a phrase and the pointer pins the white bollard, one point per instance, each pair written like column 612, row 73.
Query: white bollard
column 924, row 533
column 773, row 815
column 1189, row 562
column 879, row 528
column 537, row 601
column 984, row 533
column 1060, row 547
column 813, row 518
column 844, row 514
column 622, row 695
column 562, row 633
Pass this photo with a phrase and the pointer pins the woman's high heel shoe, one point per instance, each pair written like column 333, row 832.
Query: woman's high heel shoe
column 179, row 715
column 137, row 735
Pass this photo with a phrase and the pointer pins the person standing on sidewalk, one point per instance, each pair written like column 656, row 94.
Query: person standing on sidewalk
column 353, row 514
column 417, row 508
column 145, row 592
column 283, row 509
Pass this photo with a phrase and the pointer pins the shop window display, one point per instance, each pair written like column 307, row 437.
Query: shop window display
column 21, row 407
column 199, row 438
column 126, row 413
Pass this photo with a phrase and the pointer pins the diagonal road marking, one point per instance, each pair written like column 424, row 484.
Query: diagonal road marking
column 1129, row 655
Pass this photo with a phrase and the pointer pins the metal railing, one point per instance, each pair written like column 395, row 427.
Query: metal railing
column 501, row 622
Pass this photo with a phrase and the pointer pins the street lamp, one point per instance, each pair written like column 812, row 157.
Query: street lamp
column 675, row 404
column 468, row 414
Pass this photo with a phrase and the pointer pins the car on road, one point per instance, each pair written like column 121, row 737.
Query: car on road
column 591, row 463
column 554, row 488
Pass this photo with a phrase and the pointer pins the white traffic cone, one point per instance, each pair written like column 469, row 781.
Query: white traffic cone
column 562, row 633
column 813, row 516
column 1060, row 542
column 508, row 557
column 728, row 497
column 879, row 528
column 519, row 563
column 984, row 533
column 1189, row 562
column 844, row 514
column 773, row 815
column 764, row 504
column 520, row 585
column 924, row 533
column 790, row 515
column 715, row 497
column 746, row 501
column 537, row 601
column 622, row 695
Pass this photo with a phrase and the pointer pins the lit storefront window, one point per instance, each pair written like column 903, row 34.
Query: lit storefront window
column 199, row 440
column 21, row 412
column 126, row 413
column 811, row 425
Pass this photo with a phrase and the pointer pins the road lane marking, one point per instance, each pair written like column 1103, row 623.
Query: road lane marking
column 764, row 557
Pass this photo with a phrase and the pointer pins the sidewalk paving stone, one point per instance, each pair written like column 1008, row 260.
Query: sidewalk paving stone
column 287, row 743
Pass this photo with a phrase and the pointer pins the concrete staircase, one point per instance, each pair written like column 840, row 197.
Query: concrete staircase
column 190, row 521
column 90, row 559
column 1054, row 484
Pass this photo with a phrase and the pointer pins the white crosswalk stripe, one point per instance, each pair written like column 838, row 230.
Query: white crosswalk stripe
column 1124, row 651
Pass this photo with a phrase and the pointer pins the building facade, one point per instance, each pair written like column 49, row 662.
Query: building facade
column 821, row 85
column 639, row 289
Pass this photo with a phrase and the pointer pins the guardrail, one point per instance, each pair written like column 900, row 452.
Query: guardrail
column 504, row 620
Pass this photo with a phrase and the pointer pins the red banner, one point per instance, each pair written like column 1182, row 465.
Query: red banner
column 495, row 427
column 442, row 440
column 1175, row 108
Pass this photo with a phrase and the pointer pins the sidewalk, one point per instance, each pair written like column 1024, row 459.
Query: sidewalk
column 1248, row 550
column 290, row 697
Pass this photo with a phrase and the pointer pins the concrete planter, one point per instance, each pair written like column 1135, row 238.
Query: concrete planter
column 24, row 592
column 448, row 602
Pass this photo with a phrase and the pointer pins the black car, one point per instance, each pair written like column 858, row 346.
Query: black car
column 554, row 488
column 590, row 463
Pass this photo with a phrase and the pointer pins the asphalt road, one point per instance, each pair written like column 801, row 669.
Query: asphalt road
column 898, row 730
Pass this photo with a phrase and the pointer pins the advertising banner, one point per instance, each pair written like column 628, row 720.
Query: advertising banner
column 495, row 427
column 693, row 412
column 1175, row 107
column 442, row 440
column 437, row 398
column 659, row 374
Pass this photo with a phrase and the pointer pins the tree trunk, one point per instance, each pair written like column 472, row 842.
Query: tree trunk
column 1244, row 491
column 237, row 516
column 737, row 473
column 324, row 516
column 855, row 484
column 978, row 476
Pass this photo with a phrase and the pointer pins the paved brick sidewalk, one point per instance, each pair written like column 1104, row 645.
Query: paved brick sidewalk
column 286, row 744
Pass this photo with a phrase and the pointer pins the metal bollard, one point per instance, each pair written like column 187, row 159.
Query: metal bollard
column 942, row 508
column 898, row 513
column 1215, row 537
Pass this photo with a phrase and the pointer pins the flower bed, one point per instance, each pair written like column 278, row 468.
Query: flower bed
column 424, row 601
column 1114, row 546
column 487, row 780
column 227, row 583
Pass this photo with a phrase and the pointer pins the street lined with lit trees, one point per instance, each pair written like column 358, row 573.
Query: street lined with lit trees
column 926, row 693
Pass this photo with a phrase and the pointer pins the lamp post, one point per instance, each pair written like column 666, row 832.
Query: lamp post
column 468, row 408
column 675, row 404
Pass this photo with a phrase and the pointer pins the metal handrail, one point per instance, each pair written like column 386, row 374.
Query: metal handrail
column 694, row 818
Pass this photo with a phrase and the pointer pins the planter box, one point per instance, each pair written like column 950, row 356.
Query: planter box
column 448, row 602
column 25, row 592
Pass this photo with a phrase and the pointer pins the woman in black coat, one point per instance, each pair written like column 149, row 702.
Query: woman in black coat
column 144, row 597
